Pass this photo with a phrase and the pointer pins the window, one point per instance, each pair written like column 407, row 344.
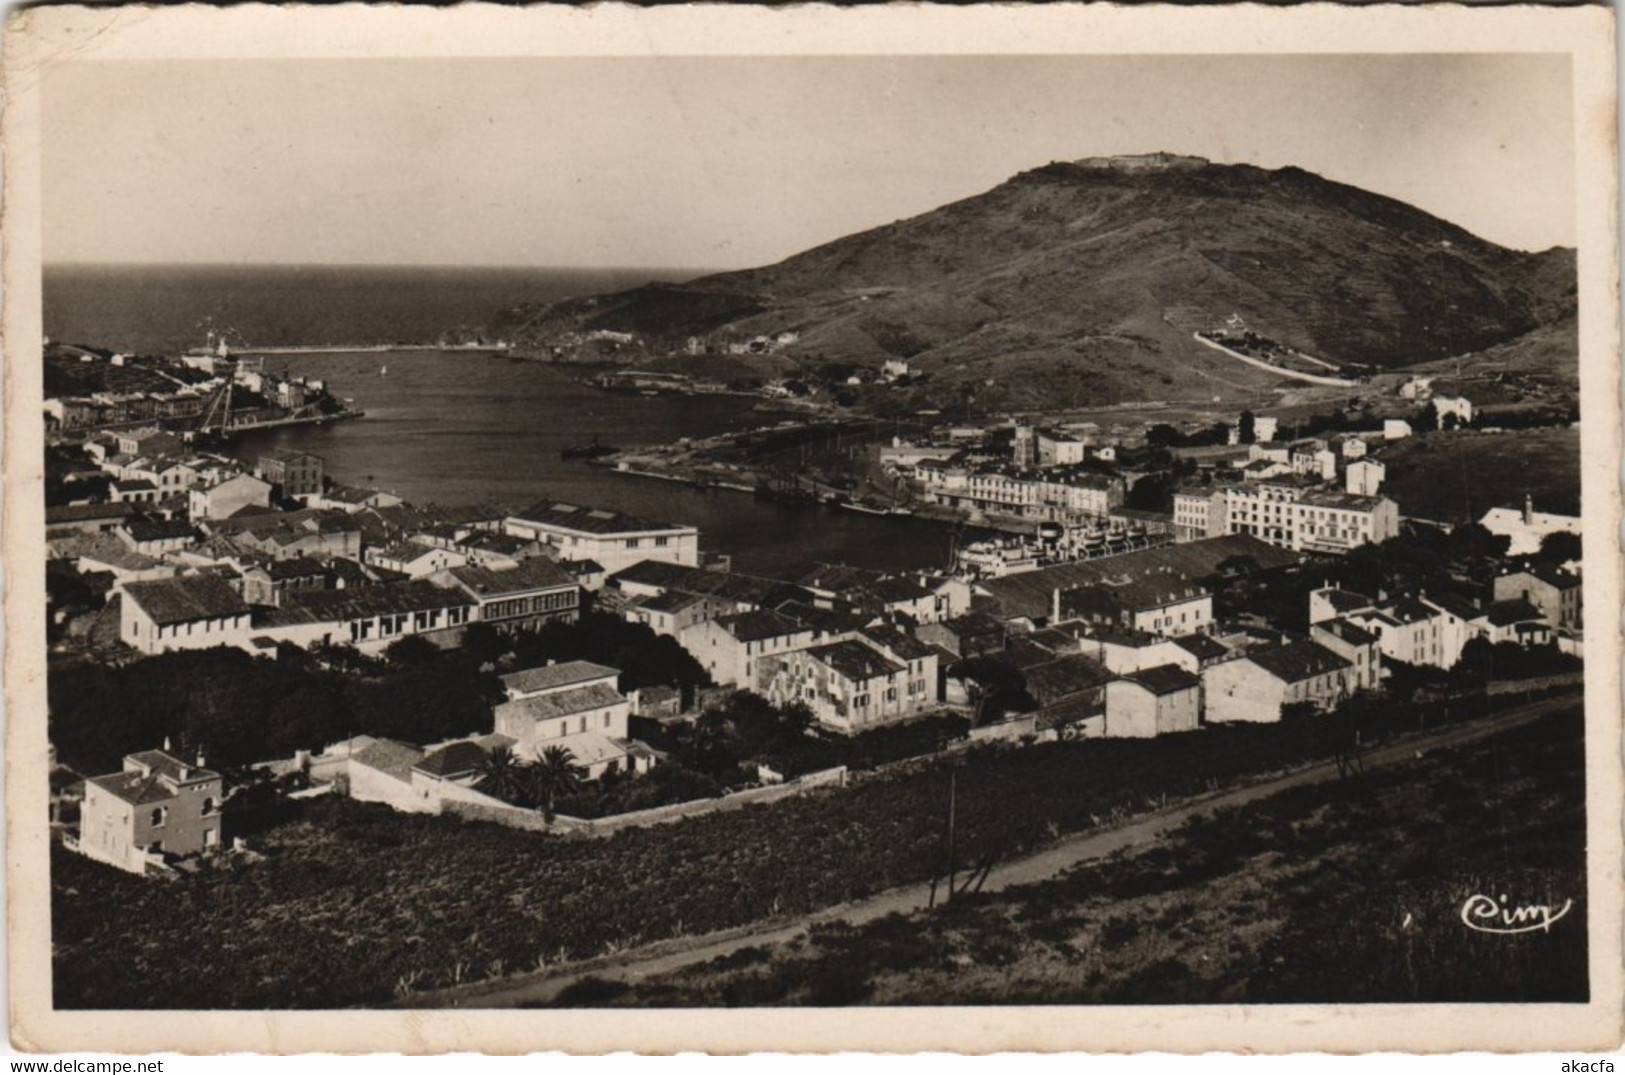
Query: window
column 606, row 718
column 159, row 816
column 208, row 805
column 633, row 543
column 662, row 542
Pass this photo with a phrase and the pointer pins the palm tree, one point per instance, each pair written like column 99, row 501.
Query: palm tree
column 503, row 776
column 554, row 774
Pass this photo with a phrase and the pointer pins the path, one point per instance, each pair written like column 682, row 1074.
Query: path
column 1312, row 378
column 666, row 956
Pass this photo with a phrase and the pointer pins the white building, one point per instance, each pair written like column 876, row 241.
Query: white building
column 1256, row 687
column 731, row 648
column 1364, row 477
column 1152, row 702
column 1527, row 528
column 1395, row 429
column 190, row 612
column 609, row 538
column 575, row 705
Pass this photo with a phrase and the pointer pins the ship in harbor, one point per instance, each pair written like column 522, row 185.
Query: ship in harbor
column 207, row 394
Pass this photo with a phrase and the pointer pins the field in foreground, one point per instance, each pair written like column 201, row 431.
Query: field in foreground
column 1334, row 893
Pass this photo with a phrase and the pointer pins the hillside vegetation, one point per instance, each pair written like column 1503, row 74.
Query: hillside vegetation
column 1091, row 276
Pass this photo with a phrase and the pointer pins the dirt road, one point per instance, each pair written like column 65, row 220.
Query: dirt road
column 666, row 956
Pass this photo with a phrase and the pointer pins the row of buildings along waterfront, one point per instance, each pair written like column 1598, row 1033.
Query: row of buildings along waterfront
column 275, row 554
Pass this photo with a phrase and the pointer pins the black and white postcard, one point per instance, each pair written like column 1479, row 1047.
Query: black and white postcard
column 907, row 529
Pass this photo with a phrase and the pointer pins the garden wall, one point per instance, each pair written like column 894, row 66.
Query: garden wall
column 530, row 819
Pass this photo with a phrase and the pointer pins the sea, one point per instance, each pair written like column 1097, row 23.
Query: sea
column 456, row 428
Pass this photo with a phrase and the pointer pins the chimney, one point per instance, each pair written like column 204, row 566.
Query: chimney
column 1055, row 607
column 166, row 744
column 1528, row 510
column 200, row 759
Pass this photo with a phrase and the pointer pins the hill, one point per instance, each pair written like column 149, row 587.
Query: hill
column 1084, row 281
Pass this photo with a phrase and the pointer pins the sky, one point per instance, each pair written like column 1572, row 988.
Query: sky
column 715, row 162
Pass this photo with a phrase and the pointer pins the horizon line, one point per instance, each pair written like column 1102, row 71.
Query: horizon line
column 121, row 263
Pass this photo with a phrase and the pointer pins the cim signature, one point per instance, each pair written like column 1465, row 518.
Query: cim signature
column 1489, row 915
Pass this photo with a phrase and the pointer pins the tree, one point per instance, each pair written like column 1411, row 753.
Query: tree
column 554, row 775
column 1560, row 547
column 413, row 651
column 504, row 776
column 1246, row 428
column 484, row 643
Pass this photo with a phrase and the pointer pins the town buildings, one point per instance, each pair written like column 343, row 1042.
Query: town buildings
column 1293, row 512
column 1150, row 702
column 856, row 683
column 189, row 612
column 611, row 538
column 1557, row 594
column 525, row 596
column 293, row 474
column 157, row 806
column 573, row 705
column 1258, row 685
column 730, row 648
column 1526, row 527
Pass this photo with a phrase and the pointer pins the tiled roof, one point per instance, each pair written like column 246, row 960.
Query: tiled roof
column 760, row 624
column 362, row 602
column 146, row 528
column 452, row 760
column 554, row 676
column 672, row 601
column 185, row 599
column 1164, row 679
column 133, row 788
column 166, row 764
column 1349, row 632
column 590, row 520
column 1031, row 593
column 77, row 513
column 1503, row 613
column 389, row 756
column 533, row 574
column 563, row 703
column 1298, row 661
column 1344, row 600
column 695, row 580
column 1203, row 647
column 904, row 647
column 855, row 660
column 1053, row 680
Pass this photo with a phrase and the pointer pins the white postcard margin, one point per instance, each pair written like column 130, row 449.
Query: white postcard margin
column 37, row 38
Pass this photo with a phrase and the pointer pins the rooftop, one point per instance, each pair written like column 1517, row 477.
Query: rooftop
column 592, row 520
column 1203, row 647
column 186, row 599
column 760, row 624
column 453, row 760
column 855, row 661
column 1031, row 593
column 534, row 574
column 1298, row 661
column 1164, row 679
column 1502, row 613
column 364, row 602
column 390, row 757
column 554, row 676
column 1348, row 631
column 563, row 703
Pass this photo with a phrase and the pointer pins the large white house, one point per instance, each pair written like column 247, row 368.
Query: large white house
column 610, row 538
column 1255, row 688
column 190, row 612
column 575, row 705
column 731, row 648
